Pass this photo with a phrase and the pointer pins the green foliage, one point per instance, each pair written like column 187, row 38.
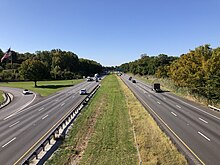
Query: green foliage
column 198, row 70
column 58, row 65
column 1, row 53
column 65, row 60
column 34, row 70
column 89, row 67
column 147, row 65
column 1, row 96
column 7, row 75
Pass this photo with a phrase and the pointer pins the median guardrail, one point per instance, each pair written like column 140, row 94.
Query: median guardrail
column 54, row 132
column 214, row 108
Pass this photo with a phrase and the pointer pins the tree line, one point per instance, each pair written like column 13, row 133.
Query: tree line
column 198, row 70
column 46, row 65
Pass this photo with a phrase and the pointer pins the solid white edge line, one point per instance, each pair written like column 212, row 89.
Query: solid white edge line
column 44, row 117
column 203, row 120
column 14, row 124
column 174, row 114
column 20, row 109
column 8, row 142
column 204, row 136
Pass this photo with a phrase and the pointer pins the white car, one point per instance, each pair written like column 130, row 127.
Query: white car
column 26, row 91
column 82, row 92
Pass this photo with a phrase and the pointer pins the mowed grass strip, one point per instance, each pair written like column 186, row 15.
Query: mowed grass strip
column 113, row 141
column 1, row 97
column 154, row 146
column 102, row 133
column 44, row 88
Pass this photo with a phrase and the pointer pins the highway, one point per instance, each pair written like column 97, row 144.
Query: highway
column 21, row 128
column 19, row 101
column 194, row 128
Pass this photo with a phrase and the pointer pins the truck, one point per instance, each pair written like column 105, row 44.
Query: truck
column 156, row 87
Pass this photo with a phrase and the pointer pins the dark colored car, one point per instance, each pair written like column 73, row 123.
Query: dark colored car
column 134, row 81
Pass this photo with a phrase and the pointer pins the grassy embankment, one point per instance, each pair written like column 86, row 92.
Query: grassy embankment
column 1, row 97
column 44, row 88
column 103, row 134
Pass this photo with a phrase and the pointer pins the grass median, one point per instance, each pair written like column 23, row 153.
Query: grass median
column 103, row 132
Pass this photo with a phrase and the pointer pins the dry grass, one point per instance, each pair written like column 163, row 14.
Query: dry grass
column 154, row 146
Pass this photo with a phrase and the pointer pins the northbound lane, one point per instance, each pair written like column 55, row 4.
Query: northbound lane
column 192, row 125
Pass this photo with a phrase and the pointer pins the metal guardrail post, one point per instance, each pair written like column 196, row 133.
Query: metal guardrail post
column 56, row 132
column 214, row 108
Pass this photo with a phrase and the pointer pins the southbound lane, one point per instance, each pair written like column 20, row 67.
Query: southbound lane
column 21, row 130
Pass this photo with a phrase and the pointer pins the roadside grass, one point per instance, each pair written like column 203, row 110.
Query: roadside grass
column 44, row 88
column 1, row 97
column 154, row 146
column 102, row 133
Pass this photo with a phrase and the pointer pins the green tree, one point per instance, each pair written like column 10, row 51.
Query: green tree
column 56, row 73
column 89, row 67
column 65, row 60
column 34, row 70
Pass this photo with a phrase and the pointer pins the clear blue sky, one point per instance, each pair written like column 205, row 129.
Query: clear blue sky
column 110, row 32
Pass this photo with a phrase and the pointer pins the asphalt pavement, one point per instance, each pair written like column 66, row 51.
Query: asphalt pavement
column 193, row 127
column 21, row 128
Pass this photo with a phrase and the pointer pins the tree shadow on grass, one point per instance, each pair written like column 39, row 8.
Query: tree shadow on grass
column 53, row 86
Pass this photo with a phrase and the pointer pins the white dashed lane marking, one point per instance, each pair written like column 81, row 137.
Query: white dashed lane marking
column 14, row 124
column 8, row 142
column 44, row 117
column 174, row 114
column 41, row 109
column 203, row 120
column 178, row 106
column 204, row 136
